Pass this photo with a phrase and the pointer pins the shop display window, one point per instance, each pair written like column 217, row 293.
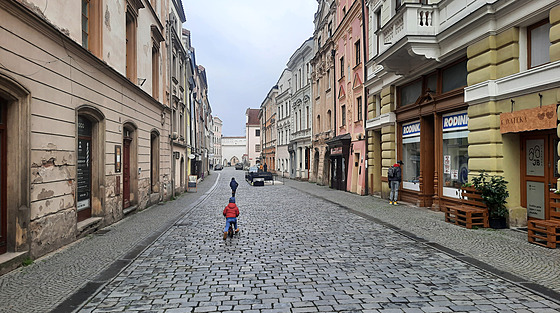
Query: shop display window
column 411, row 166
column 455, row 162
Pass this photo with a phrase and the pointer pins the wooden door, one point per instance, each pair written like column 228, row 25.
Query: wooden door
column 537, row 174
column 3, row 178
column 126, row 172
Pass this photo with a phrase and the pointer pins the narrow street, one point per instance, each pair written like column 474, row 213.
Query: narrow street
column 300, row 253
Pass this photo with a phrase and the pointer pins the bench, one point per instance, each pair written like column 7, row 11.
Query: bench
column 472, row 211
column 546, row 233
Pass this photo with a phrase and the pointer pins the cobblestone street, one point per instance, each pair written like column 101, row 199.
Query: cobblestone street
column 300, row 253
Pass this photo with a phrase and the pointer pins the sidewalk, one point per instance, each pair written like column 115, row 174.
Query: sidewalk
column 504, row 252
column 77, row 270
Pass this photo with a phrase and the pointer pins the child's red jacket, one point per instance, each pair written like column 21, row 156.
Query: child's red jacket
column 231, row 210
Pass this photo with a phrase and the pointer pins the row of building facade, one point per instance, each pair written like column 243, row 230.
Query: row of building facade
column 103, row 111
column 452, row 88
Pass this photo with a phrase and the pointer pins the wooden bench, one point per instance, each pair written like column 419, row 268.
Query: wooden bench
column 546, row 232
column 472, row 211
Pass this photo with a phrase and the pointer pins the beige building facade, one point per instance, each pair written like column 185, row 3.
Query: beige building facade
column 85, row 120
column 455, row 90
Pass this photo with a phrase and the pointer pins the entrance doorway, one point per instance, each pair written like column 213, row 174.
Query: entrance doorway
column 3, row 178
column 539, row 173
column 84, row 168
column 126, row 168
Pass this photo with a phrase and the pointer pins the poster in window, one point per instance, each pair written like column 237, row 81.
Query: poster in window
column 535, row 199
column 117, row 158
column 535, row 157
column 84, row 174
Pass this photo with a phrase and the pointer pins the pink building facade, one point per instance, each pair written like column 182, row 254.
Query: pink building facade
column 348, row 149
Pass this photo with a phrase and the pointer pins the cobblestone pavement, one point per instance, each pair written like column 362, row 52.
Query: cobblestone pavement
column 506, row 250
column 81, row 267
column 300, row 253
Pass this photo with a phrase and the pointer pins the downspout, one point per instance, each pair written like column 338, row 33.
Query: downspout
column 170, row 82
column 364, row 39
column 333, row 53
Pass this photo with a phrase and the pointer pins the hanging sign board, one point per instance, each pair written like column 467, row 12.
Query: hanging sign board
column 531, row 119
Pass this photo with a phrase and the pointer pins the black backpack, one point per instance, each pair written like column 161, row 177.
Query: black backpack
column 392, row 172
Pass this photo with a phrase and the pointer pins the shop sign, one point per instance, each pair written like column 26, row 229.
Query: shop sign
column 336, row 151
column 456, row 121
column 530, row 119
column 411, row 129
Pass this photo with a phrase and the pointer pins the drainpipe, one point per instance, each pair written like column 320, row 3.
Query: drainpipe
column 333, row 53
column 170, row 83
column 364, row 39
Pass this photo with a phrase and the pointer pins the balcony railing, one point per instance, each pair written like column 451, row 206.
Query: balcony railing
column 412, row 19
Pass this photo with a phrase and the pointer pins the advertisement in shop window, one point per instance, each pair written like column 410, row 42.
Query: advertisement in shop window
column 411, row 155
column 455, row 152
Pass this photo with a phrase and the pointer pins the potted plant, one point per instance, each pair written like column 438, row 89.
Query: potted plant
column 493, row 189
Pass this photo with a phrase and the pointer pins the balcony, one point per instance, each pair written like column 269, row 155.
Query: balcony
column 301, row 134
column 409, row 37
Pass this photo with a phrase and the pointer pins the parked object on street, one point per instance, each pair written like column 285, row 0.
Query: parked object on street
column 471, row 212
column 239, row 166
column 546, row 232
column 257, row 178
column 218, row 167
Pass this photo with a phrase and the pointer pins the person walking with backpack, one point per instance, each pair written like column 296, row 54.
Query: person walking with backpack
column 394, row 174
column 233, row 185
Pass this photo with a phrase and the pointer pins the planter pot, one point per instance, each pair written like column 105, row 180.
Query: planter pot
column 498, row 222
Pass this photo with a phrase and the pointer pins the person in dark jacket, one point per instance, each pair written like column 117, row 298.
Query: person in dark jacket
column 233, row 185
column 395, row 177
column 231, row 212
column 265, row 167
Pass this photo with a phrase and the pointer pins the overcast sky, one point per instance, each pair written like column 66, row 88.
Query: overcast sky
column 244, row 46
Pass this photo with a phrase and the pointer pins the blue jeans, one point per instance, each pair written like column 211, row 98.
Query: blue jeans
column 394, row 195
column 230, row 220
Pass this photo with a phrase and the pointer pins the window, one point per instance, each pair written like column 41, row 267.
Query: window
column 359, row 106
column 328, row 79
column 454, row 77
column 538, row 42
column 455, row 152
column 155, row 71
column 319, row 42
column 91, row 26
column 131, row 47
column 343, row 115
column 410, row 93
column 257, row 148
column 411, row 153
column 398, row 4
column 330, row 29
column 318, row 123
column 342, row 67
column 318, row 88
column 329, row 119
column 307, row 117
column 257, row 132
column 357, row 50
column 343, row 12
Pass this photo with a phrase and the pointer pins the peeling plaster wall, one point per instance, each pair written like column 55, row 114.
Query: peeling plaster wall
column 60, row 82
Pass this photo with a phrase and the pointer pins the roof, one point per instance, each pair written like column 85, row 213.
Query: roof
column 252, row 116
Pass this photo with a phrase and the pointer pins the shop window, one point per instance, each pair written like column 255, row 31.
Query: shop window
column 455, row 153
column 411, row 155
column 454, row 77
column 410, row 93
column 538, row 42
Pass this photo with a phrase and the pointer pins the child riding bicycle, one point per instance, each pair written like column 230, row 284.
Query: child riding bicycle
column 231, row 212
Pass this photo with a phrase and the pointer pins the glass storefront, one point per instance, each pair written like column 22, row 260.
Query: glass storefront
column 455, row 153
column 411, row 155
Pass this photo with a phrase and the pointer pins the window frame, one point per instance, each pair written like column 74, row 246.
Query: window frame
column 529, row 29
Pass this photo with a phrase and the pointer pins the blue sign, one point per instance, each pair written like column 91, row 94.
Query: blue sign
column 409, row 130
column 457, row 121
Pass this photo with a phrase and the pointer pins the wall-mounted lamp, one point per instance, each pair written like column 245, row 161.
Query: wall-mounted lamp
column 512, row 103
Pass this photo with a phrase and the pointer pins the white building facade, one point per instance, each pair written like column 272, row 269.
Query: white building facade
column 283, row 123
column 301, row 111
column 233, row 149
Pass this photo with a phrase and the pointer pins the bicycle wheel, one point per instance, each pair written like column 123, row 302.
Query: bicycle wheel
column 230, row 231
